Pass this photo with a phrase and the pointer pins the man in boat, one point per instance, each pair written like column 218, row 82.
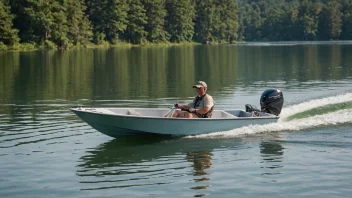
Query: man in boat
column 201, row 107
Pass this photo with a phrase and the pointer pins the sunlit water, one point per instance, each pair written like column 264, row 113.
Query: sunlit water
column 46, row 151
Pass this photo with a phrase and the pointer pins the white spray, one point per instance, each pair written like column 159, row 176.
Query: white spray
column 337, row 117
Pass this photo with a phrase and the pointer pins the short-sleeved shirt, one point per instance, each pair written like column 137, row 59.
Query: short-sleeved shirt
column 206, row 101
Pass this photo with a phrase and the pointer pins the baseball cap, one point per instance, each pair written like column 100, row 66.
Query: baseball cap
column 200, row 84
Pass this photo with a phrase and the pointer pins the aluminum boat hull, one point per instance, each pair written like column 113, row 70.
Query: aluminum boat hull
column 116, row 122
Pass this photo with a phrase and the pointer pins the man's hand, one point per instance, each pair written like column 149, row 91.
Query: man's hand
column 192, row 110
column 179, row 106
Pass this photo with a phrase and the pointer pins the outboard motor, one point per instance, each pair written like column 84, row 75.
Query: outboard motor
column 271, row 101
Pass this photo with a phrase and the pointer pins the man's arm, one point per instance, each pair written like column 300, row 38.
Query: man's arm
column 202, row 111
column 185, row 107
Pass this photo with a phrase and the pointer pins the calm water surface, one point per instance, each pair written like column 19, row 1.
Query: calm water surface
column 46, row 151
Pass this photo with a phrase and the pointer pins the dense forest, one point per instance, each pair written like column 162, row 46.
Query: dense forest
column 62, row 24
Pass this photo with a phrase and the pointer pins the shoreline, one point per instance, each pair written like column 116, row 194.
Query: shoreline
column 28, row 47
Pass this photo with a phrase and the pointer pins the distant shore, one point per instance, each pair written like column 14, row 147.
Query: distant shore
column 25, row 47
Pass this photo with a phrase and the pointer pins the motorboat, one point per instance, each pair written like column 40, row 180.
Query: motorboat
column 116, row 122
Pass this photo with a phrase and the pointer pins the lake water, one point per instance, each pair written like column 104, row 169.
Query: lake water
column 46, row 151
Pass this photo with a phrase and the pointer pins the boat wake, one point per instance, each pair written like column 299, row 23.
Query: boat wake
column 315, row 113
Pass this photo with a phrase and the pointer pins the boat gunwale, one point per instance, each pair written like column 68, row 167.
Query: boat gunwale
column 273, row 117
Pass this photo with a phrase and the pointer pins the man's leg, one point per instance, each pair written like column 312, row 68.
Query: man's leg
column 190, row 115
column 183, row 114
column 177, row 114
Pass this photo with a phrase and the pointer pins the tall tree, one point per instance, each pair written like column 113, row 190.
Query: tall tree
column 179, row 20
column 22, row 21
column 289, row 21
column 8, row 35
column 323, row 26
column 60, row 28
column 207, row 20
column 137, row 19
column 48, row 21
column 252, row 22
column 272, row 27
column 228, row 23
column 347, row 21
column 108, row 17
column 309, row 11
column 333, row 19
column 156, row 13
column 80, row 31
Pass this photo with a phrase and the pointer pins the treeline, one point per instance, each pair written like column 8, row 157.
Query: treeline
column 292, row 20
column 66, row 23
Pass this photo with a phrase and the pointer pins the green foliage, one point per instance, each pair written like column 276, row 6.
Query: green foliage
column 156, row 13
column 14, row 47
column 108, row 17
column 8, row 35
column 49, row 22
column 272, row 25
column 289, row 22
column 3, row 47
column 216, row 21
column 309, row 18
column 28, row 46
column 43, row 15
column 179, row 20
column 65, row 23
column 99, row 38
column 347, row 21
column 60, row 29
column 331, row 20
column 22, row 47
column 49, row 45
column 79, row 29
column 22, row 21
column 252, row 22
column 228, row 23
column 293, row 20
column 137, row 19
column 207, row 19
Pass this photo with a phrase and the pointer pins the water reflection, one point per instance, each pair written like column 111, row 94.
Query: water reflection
column 201, row 162
column 272, row 154
column 148, row 160
column 127, row 150
column 37, row 89
column 161, row 72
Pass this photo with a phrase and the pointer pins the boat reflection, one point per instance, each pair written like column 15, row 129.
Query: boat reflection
column 125, row 150
column 149, row 160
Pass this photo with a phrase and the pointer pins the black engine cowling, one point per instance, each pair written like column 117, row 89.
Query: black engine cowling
column 271, row 101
